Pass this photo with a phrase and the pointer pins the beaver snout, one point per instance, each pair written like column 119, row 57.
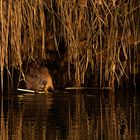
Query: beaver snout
column 43, row 82
column 46, row 85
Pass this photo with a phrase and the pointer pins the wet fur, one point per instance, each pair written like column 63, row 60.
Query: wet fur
column 39, row 79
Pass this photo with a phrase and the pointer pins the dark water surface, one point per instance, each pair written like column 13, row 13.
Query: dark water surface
column 71, row 115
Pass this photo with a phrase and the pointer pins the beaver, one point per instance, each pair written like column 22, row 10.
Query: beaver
column 39, row 79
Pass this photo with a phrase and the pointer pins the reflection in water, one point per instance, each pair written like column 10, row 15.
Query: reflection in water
column 70, row 116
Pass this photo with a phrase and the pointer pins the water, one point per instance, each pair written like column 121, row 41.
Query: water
column 71, row 115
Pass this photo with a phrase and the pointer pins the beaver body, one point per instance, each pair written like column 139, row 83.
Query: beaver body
column 39, row 79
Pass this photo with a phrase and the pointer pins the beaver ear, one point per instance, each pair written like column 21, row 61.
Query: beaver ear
column 35, row 76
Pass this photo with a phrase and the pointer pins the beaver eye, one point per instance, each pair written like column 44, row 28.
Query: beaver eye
column 35, row 76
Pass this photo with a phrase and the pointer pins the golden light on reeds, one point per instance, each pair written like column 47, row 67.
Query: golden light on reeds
column 102, row 35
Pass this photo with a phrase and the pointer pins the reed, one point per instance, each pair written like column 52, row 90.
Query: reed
column 102, row 35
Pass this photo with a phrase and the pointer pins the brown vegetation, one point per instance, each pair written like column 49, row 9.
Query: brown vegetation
column 101, row 38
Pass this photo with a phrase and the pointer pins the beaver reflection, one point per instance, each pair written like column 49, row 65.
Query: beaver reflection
column 39, row 79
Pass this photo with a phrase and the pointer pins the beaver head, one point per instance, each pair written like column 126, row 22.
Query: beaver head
column 39, row 79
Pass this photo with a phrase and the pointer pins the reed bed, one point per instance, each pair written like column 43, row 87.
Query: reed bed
column 101, row 36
